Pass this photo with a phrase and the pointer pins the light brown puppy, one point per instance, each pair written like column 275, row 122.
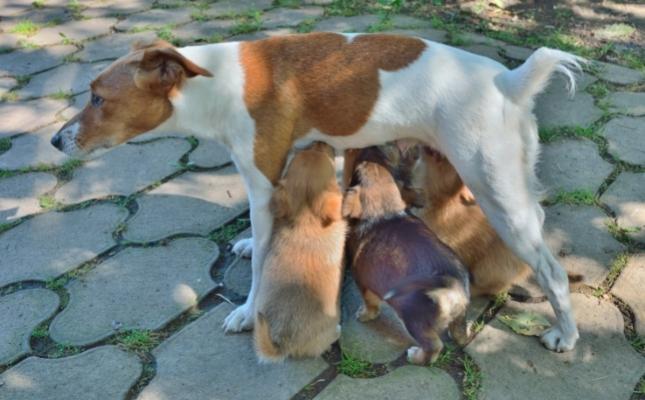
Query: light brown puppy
column 298, row 311
column 449, row 209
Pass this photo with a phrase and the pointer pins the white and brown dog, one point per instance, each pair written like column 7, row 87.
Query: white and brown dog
column 260, row 98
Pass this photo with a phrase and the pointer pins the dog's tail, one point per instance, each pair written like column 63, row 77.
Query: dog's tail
column 524, row 82
column 266, row 350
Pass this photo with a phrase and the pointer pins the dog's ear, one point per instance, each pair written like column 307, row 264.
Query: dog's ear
column 280, row 205
column 328, row 208
column 352, row 203
column 162, row 68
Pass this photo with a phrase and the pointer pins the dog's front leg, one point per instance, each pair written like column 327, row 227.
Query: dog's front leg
column 259, row 189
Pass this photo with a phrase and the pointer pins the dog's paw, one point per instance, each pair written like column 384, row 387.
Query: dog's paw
column 240, row 319
column 364, row 314
column 416, row 355
column 556, row 340
column 243, row 248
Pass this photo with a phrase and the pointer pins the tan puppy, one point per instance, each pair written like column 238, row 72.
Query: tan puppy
column 298, row 311
column 451, row 212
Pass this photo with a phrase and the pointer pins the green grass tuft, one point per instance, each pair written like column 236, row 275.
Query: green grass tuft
column 247, row 23
column 165, row 33
column 40, row 332
column 353, row 367
column 5, row 226
column 287, row 3
column 501, row 299
column 138, row 340
column 580, row 197
column 472, row 378
column 38, row 3
column 61, row 95
column 306, row 26
column 618, row 264
column 64, row 349
column 69, row 166
column 25, row 28
column 5, row 144
column 446, row 357
column 226, row 233
column 48, row 202
column 75, row 7
column 598, row 90
column 56, row 283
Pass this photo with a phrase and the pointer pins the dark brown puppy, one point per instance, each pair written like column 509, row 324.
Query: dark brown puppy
column 396, row 258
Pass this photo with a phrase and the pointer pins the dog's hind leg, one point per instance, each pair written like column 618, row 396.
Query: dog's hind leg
column 495, row 173
column 371, row 306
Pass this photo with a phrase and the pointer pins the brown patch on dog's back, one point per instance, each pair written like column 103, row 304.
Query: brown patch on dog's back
column 321, row 80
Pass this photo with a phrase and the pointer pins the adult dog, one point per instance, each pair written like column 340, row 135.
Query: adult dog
column 260, row 98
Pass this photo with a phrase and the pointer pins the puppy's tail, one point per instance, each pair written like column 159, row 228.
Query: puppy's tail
column 524, row 82
column 266, row 350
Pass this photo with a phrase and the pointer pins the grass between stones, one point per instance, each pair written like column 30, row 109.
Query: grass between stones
column 306, row 26
column 247, row 23
column 5, row 144
column 472, row 380
column 226, row 233
column 64, row 350
column 580, row 197
column 40, row 332
column 25, row 28
column 61, row 95
column 76, row 9
column 5, row 226
column 38, row 3
column 48, row 202
column 354, row 367
column 138, row 340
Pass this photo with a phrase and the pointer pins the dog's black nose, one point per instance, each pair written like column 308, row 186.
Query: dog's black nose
column 57, row 141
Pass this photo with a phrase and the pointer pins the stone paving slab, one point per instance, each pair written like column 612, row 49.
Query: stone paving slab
column 629, row 287
column 209, row 154
column 406, row 382
column 77, row 103
column 228, row 8
column 83, row 376
column 626, row 197
column 20, row 313
column 71, row 78
column 77, row 30
column 113, row 46
column 555, row 108
column 618, row 74
column 626, row 139
column 602, row 366
column 359, row 23
column 51, row 244
column 139, row 288
column 33, row 149
column 192, row 203
column 27, row 62
column 237, row 276
column 123, row 170
column 154, row 19
column 19, row 194
column 196, row 31
column 290, row 17
column 516, row 53
column 28, row 116
column 6, row 84
column 579, row 238
column 379, row 341
column 572, row 164
column 486, row 51
column 40, row 16
column 630, row 103
column 201, row 360
column 103, row 8
column 429, row 34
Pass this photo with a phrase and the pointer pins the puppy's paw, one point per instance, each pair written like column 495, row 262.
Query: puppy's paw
column 365, row 314
column 417, row 356
column 556, row 340
column 240, row 319
column 243, row 248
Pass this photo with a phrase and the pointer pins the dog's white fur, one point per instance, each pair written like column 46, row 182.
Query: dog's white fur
column 471, row 108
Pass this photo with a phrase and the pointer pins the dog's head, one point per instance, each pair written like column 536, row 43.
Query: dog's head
column 309, row 184
column 373, row 192
column 131, row 97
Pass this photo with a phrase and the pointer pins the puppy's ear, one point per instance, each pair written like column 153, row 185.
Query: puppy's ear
column 280, row 205
column 352, row 203
column 163, row 68
column 329, row 207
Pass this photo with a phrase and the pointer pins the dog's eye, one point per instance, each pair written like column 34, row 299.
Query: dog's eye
column 96, row 100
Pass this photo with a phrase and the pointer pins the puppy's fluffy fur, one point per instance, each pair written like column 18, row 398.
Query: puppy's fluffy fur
column 449, row 210
column 396, row 258
column 298, row 301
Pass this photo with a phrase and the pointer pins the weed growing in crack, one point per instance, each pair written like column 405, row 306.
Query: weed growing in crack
column 227, row 232
column 472, row 378
column 5, row 144
column 501, row 299
column 5, row 226
column 48, row 202
column 579, row 197
column 56, row 283
column 138, row 340
column 25, row 28
column 40, row 332
column 353, row 367
column 247, row 23
column 617, row 266
column 64, row 349
column 446, row 357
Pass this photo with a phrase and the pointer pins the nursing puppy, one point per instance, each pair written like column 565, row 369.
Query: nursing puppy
column 396, row 258
column 298, row 299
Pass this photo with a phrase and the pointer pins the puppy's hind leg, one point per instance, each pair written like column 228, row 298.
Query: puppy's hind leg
column 498, row 180
column 371, row 306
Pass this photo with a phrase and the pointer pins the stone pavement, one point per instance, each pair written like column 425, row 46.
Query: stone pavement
column 116, row 273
